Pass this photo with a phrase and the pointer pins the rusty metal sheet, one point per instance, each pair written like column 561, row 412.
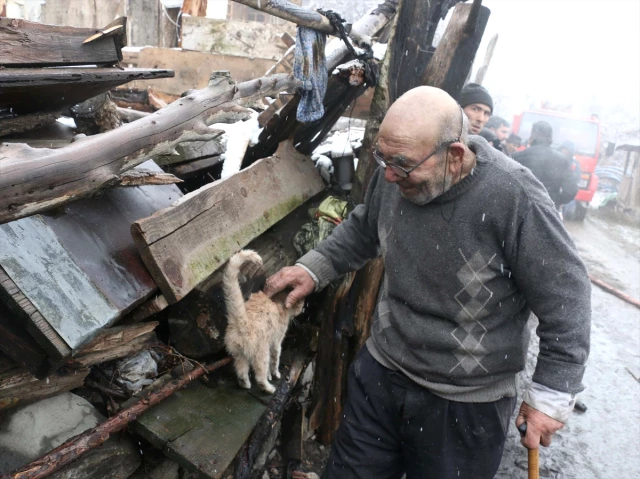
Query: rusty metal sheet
column 97, row 234
column 79, row 265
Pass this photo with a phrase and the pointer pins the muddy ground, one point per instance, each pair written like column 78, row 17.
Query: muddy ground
column 604, row 441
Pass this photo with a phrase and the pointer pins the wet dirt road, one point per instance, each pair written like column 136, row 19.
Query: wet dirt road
column 603, row 442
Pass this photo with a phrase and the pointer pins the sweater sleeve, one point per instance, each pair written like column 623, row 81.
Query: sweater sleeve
column 555, row 284
column 351, row 244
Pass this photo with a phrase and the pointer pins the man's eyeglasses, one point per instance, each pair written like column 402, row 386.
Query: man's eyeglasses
column 403, row 172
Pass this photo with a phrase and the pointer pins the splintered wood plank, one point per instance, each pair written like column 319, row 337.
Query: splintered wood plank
column 115, row 343
column 203, row 428
column 19, row 386
column 28, row 90
column 24, row 43
column 185, row 243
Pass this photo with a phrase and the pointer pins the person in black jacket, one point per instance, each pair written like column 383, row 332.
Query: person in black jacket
column 551, row 167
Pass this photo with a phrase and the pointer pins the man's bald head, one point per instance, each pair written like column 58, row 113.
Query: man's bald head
column 421, row 118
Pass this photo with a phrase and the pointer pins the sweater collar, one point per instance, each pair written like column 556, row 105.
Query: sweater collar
column 481, row 148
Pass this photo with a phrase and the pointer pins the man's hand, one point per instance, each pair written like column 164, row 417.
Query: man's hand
column 540, row 427
column 293, row 277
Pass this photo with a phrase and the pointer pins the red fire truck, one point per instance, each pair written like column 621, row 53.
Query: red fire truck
column 585, row 135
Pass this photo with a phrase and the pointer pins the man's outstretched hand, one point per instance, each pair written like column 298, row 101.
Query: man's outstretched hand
column 540, row 427
column 293, row 277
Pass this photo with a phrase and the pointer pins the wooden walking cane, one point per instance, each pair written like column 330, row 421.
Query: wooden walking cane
column 534, row 471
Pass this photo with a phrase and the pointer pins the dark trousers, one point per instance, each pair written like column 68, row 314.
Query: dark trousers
column 392, row 426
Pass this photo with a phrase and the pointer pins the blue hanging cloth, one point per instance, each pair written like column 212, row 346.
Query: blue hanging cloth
column 310, row 67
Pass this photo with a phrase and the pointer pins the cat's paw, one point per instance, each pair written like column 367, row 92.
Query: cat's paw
column 268, row 388
column 276, row 374
column 244, row 383
column 269, row 378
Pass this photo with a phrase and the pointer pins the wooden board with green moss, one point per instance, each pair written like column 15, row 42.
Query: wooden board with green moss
column 202, row 428
column 184, row 244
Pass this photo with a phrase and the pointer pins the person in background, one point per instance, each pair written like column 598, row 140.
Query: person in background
column 512, row 145
column 568, row 148
column 551, row 167
column 477, row 105
column 500, row 128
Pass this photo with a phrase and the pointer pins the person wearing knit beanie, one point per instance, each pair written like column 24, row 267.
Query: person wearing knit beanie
column 477, row 104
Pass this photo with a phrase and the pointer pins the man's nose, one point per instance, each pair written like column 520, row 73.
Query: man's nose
column 391, row 176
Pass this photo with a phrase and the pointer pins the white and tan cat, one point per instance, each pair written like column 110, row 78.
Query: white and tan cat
column 255, row 328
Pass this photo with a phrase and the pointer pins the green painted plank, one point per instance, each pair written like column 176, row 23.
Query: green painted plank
column 202, row 428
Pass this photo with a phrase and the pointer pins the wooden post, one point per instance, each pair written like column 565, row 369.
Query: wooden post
column 482, row 71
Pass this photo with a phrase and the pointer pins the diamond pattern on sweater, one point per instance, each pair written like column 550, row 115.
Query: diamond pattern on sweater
column 472, row 298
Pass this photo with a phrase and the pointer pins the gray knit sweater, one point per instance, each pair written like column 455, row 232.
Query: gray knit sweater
column 462, row 275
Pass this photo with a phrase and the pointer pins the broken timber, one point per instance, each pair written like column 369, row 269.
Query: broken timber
column 28, row 44
column 115, row 343
column 35, row 180
column 20, row 386
column 28, row 90
column 293, row 13
column 184, row 244
column 88, row 440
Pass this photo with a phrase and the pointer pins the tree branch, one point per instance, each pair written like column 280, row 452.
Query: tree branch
column 34, row 180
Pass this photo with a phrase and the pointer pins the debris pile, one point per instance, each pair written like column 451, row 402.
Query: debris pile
column 119, row 208
column 123, row 193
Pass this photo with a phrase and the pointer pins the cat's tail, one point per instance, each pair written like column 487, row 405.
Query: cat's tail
column 233, row 298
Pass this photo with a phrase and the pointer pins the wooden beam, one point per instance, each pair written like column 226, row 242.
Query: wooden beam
column 193, row 168
column 20, row 386
column 141, row 177
column 116, row 336
column 482, row 71
column 35, row 180
column 184, row 244
column 363, row 29
column 24, row 43
column 452, row 60
column 293, row 13
column 20, row 123
column 30, row 90
column 146, row 310
column 194, row 68
column 115, row 343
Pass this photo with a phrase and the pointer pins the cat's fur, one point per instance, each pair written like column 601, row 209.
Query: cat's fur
column 255, row 328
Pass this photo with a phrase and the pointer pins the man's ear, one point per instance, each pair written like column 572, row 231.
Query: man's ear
column 456, row 155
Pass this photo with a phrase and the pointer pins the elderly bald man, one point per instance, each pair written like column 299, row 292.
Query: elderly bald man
column 472, row 244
